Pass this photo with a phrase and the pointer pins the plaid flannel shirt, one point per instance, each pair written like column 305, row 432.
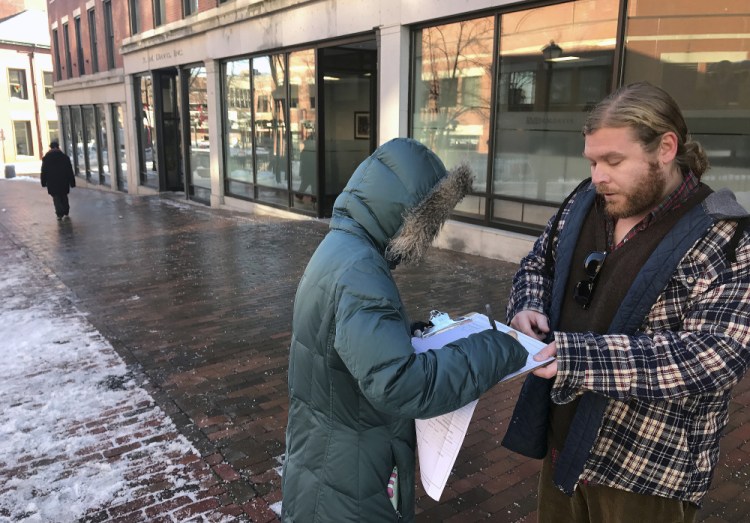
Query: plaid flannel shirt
column 670, row 384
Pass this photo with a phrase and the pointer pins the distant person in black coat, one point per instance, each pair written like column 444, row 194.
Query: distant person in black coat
column 58, row 178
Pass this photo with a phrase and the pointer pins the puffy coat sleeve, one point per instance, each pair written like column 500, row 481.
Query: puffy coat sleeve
column 373, row 340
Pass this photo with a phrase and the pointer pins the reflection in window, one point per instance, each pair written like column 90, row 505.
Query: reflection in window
column 67, row 132
column 452, row 99
column 101, row 127
column 200, row 172
column 119, row 146
column 22, row 136
column 90, row 147
column 79, row 163
column 17, row 83
column 302, row 118
column 698, row 52
column 144, row 110
column 555, row 63
column 238, row 154
column 270, row 130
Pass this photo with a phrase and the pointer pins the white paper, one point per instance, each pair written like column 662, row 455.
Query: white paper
column 440, row 438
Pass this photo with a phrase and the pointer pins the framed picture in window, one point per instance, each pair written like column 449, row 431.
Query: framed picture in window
column 361, row 126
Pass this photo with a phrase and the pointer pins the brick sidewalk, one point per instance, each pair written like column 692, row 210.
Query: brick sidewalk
column 198, row 300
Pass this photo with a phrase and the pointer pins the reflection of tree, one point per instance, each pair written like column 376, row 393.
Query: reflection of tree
column 277, row 115
column 450, row 51
column 197, row 101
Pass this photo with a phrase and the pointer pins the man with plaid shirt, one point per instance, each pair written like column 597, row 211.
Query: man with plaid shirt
column 641, row 286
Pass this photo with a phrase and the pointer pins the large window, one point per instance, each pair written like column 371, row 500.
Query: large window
column 79, row 158
column 23, row 139
column 160, row 12
column 56, row 44
column 144, row 110
column 109, row 34
column 269, row 90
column 92, row 41
column 302, row 121
column 552, row 64
column 121, row 165
column 67, row 135
column 17, row 84
column 190, row 7
column 79, row 46
column 555, row 64
column 90, row 147
column 102, row 144
column 68, row 58
column 200, row 172
column 699, row 53
column 238, row 121
column 452, row 86
column 135, row 17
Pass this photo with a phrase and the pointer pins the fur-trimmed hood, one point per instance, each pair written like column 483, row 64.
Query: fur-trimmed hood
column 401, row 196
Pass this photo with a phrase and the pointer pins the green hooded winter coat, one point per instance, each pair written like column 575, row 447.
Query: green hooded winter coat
column 355, row 383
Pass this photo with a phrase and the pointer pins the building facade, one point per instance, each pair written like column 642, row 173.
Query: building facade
column 268, row 106
column 28, row 118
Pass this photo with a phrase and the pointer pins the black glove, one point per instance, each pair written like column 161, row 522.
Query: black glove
column 418, row 327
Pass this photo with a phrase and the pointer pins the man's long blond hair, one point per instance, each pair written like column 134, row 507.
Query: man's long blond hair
column 650, row 111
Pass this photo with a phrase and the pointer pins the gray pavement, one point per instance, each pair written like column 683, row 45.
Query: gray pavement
column 198, row 303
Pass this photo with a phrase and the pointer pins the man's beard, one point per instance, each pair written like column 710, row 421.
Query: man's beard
column 643, row 198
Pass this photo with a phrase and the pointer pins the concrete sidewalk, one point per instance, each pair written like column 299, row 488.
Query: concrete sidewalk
column 198, row 302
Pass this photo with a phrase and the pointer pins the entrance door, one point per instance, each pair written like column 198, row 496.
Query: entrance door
column 348, row 74
column 170, row 157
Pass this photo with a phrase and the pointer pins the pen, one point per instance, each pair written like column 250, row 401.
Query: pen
column 489, row 316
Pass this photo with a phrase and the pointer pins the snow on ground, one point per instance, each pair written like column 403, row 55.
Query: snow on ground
column 69, row 406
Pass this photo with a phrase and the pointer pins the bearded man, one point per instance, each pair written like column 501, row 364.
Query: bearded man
column 641, row 286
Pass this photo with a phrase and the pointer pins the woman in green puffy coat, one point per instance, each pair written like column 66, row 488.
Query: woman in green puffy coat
column 355, row 383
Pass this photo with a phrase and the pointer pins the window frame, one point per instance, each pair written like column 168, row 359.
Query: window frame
column 17, row 88
column 109, row 33
column 91, row 13
column 79, row 47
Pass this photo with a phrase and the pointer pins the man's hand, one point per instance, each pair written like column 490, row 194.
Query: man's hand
column 531, row 323
column 550, row 370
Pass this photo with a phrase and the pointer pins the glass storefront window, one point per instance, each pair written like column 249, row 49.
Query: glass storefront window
column 79, row 163
column 119, row 144
column 147, row 152
column 101, row 127
column 698, row 52
column 302, row 118
column 67, row 132
column 452, row 87
column 90, row 147
column 555, row 63
column 269, row 132
column 200, row 172
column 238, row 153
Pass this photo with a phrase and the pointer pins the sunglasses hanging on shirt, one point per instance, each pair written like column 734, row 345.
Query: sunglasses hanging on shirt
column 584, row 290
